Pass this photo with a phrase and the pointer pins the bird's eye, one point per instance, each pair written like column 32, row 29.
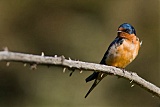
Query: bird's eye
column 127, row 30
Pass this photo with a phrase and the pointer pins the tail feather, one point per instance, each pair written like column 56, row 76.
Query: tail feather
column 92, row 76
column 93, row 86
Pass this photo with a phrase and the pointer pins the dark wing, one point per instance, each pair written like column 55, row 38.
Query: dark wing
column 117, row 41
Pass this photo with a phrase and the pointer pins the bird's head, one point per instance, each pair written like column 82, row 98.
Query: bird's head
column 126, row 28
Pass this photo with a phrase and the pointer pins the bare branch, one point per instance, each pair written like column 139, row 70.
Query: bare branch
column 68, row 63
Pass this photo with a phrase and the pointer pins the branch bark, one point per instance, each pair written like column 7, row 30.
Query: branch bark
column 68, row 63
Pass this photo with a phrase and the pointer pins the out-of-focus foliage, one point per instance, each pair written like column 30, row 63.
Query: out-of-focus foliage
column 80, row 29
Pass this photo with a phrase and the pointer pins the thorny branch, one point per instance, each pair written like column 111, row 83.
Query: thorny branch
column 68, row 63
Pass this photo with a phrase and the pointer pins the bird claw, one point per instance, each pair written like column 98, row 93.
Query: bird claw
column 71, row 72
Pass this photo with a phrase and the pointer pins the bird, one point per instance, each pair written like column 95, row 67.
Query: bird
column 121, row 52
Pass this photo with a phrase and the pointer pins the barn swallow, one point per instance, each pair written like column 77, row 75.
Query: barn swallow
column 121, row 52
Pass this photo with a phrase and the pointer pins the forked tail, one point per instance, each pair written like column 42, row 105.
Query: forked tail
column 93, row 86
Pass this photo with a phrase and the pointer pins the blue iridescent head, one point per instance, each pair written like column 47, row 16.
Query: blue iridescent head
column 125, row 27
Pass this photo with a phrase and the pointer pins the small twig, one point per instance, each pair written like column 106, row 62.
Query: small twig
column 68, row 63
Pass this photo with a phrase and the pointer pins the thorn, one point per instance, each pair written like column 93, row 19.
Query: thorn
column 7, row 64
column 132, row 85
column 62, row 58
column 25, row 64
column 5, row 49
column 70, row 66
column 33, row 66
column 81, row 72
column 102, row 75
column 55, row 56
column 64, row 69
column 131, row 81
column 42, row 54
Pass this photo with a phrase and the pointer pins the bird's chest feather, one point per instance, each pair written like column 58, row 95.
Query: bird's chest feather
column 120, row 55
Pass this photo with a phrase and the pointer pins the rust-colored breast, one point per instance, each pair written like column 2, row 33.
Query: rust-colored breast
column 122, row 55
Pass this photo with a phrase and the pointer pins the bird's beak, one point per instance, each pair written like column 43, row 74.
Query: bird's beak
column 119, row 31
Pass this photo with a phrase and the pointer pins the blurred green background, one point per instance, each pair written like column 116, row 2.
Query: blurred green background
column 83, row 30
